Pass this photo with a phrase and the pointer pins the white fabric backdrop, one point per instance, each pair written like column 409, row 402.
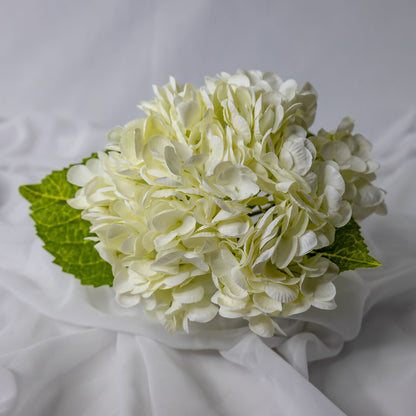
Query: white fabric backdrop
column 67, row 349
column 97, row 59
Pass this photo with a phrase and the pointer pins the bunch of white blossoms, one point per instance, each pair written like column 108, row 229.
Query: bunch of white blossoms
column 216, row 202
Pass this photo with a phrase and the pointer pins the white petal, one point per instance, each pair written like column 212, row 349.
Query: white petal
column 191, row 293
column 239, row 277
column 356, row 164
column 163, row 239
column 166, row 220
column 372, row 166
column 267, row 120
column 239, row 79
column 80, row 202
column 261, row 325
column 235, row 283
column 172, row 160
column 79, row 175
column 188, row 225
column 130, row 145
column 325, row 292
column 333, row 198
column 285, row 158
column 167, row 182
column 266, row 304
column 285, row 251
column 294, row 308
column 228, row 303
column 346, row 126
column 175, row 280
column 281, row 293
column 301, row 156
column 335, row 150
column 189, row 113
column 169, row 258
column 328, row 175
column 284, row 186
column 325, row 305
column 370, row 196
column 233, row 228
column 202, row 314
column 342, row 216
column 288, row 89
column 307, row 242
column 116, row 235
column 197, row 259
column 241, row 127
column 127, row 300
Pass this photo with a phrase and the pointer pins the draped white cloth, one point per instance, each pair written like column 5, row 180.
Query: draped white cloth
column 67, row 349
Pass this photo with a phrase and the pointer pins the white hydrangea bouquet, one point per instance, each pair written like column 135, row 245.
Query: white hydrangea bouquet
column 220, row 202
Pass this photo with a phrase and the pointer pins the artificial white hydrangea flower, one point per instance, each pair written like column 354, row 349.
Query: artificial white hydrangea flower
column 214, row 203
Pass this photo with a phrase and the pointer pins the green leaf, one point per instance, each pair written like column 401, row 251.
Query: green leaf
column 64, row 231
column 349, row 251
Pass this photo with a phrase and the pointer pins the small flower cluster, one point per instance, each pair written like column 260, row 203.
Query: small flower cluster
column 215, row 203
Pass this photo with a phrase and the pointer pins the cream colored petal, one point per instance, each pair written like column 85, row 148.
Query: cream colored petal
column 79, row 175
column 191, row 293
column 266, row 304
column 370, row 196
column 167, row 220
column 328, row 174
column 203, row 313
column 162, row 240
column 164, row 181
column 197, row 259
column 273, row 273
column 284, row 186
column 307, row 242
column 127, row 300
column 131, row 145
column 188, row 225
column 372, row 166
column 235, row 284
column 316, row 266
column 293, row 308
column 346, row 126
column 333, row 199
column 261, row 260
column 172, row 161
column 288, row 89
column 228, row 303
column 174, row 280
column 284, row 251
column 342, row 216
column 241, row 127
column 357, row 165
column 262, row 325
column 325, row 292
column 336, row 150
column 325, row 305
column 189, row 113
column 281, row 293
column 168, row 258
column 234, row 228
column 80, row 202
column 300, row 155
column 116, row 235
column 199, row 240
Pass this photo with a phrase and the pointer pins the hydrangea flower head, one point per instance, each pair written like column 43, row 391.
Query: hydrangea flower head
column 216, row 202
